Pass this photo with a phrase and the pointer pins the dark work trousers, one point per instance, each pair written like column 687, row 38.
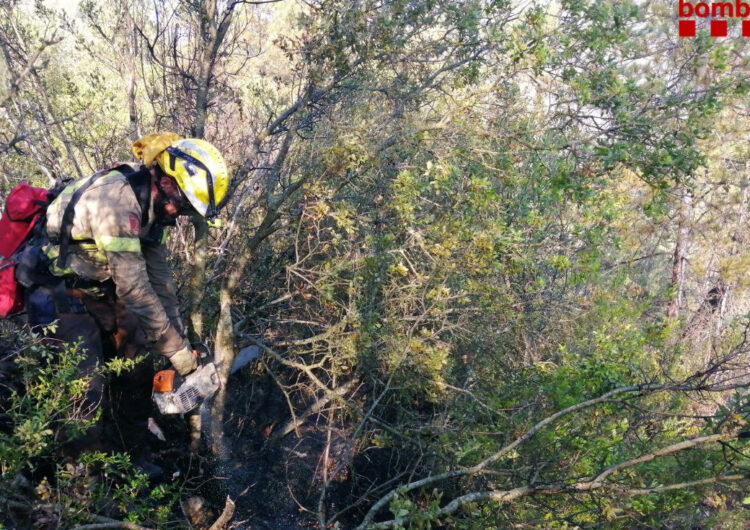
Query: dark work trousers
column 105, row 329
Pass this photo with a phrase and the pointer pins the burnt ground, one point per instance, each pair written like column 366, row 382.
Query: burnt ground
column 276, row 483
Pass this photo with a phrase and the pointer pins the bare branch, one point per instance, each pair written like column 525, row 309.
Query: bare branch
column 17, row 80
column 481, row 466
column 114, row 524
column 507, row 496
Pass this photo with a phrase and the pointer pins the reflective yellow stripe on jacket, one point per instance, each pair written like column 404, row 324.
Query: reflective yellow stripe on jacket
column 118, row 244
column 52, row 252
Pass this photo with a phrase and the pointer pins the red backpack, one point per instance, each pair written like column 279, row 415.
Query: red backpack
column 23, row 208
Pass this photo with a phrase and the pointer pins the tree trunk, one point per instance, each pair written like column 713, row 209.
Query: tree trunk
column 197, row 279
column 213, row 31
column 135, row 129
column 207, row 10
column 62, row 135
column 680, row 253
column 224, row 356
column 212, row 35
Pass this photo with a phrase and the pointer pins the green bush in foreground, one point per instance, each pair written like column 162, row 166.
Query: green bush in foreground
column 39, row 413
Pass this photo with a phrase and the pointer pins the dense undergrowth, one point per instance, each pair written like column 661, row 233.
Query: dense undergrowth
column 494, row 253
column 42, row 412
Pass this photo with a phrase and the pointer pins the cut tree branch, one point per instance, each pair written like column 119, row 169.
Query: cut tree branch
column 481, row 466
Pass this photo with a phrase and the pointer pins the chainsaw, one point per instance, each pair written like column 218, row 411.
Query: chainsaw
column 175, row 394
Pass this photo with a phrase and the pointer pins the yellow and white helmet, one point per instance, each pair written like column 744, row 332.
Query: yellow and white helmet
column 200, row 172
column 196, row 165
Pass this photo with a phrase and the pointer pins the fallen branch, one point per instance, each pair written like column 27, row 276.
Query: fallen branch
column 386, row 499
column 294, row 423
column 114, row 524
column 668, row 450
column 516, row 493
column 225, row 516
column 506, row 496
column 106, row 522
column 481, row 466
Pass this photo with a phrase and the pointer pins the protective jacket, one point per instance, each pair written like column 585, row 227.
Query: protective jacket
column 114, row 239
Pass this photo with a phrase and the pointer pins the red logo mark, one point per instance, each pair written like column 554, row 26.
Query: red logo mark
column 687, row 28
column 135, row 223
column 718, row 28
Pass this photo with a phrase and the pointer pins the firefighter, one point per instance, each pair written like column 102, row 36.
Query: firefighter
column 112, row 289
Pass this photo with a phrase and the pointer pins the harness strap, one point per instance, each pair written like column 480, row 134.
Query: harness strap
column 66, row 226
column 62, row 300
column 140, row 181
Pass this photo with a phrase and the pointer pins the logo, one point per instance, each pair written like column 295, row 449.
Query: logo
column 718, row 12
column 135, row 223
